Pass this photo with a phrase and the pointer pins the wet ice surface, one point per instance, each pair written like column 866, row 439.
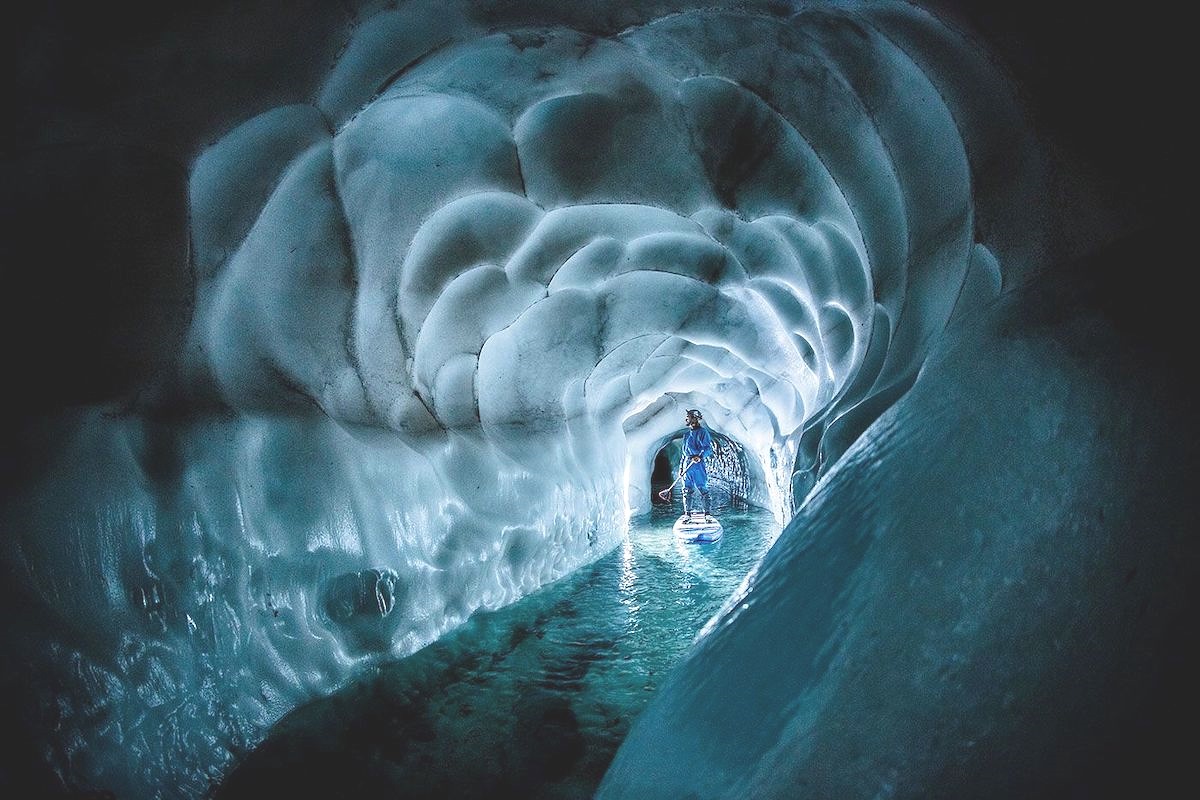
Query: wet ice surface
column 529, row 701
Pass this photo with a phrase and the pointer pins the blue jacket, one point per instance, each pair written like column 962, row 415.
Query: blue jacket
column 697, row 442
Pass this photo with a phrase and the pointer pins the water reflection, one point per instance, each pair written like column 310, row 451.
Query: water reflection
column 530, row 701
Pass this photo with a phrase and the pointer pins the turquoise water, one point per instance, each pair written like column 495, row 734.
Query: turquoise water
column 530, row 701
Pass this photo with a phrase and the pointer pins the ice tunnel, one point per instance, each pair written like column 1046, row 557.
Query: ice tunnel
column 448, row 299
column 734, row 476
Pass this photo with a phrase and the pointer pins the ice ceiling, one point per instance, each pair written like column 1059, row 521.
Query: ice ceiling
column 539, row 244
column 448, row 310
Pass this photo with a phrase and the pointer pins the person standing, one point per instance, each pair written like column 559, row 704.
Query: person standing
column 697, row 445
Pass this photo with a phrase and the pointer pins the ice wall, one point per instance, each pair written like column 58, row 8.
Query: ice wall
column 446, row 311
column 991, row 595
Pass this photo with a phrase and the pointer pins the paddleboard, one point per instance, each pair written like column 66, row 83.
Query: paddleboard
column 698, row 528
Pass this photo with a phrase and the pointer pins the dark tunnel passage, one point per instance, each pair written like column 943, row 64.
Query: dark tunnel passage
column 732, row 478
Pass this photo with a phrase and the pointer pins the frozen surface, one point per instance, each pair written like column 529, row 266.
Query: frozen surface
column 447, row 313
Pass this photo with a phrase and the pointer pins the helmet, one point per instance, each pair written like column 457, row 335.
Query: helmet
column 694, row 413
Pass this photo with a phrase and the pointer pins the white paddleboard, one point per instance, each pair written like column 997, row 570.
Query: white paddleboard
column 698, row 528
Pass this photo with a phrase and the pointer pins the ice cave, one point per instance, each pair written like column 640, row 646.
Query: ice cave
column 348, row 347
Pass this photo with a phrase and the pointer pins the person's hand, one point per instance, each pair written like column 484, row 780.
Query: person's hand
column 695, row 459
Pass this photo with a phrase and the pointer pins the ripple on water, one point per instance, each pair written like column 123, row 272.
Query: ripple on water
column 529, row 701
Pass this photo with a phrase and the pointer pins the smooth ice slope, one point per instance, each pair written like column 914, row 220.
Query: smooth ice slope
column 987, row 597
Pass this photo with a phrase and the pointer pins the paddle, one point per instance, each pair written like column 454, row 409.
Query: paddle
column 665, row 493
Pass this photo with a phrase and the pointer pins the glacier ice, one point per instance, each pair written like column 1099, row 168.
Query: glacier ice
column 1017, row 632
column 446, row 312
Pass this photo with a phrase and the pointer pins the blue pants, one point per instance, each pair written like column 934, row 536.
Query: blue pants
column 696, row 478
